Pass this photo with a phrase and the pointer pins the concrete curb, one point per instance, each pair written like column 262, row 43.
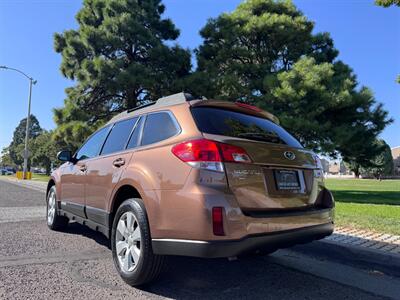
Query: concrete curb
column 388, row 262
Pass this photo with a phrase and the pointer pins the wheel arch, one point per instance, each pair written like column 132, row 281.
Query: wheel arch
column 50, row 184
column 123, row 192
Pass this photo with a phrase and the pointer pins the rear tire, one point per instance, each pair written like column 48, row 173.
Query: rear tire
column 54, row 221
column 131, row 245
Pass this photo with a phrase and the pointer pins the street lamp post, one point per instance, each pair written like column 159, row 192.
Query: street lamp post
column 31, row 82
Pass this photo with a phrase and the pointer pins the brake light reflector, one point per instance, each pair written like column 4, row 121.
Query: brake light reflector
column 218, row 221
column 317, row 161
column 318, row 173
column 207, row 154
column 234, row 154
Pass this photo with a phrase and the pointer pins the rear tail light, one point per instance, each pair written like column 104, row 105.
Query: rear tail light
column 318, row 173
column 317, row 161
column 232, row 153
column 218, row 221
column 210, row 155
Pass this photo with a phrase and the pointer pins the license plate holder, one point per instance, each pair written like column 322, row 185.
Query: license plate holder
column 287, row 180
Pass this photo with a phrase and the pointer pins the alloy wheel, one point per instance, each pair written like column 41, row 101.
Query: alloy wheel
column 51, row 208
column 127, row 242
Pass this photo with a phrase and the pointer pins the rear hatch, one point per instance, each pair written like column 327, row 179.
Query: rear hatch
column 280, row 176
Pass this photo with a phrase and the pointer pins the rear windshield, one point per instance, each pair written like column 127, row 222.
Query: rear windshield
column 229, row 123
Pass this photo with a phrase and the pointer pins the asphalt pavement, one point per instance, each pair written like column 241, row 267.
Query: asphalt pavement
column 36, row 263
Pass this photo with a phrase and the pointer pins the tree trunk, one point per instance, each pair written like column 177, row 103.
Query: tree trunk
column 48, row 169
column 131, row 100
column 356, row 173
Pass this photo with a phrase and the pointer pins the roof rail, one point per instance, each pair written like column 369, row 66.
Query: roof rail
column 167, row 100
column 141, row 106
column 176, row 98
column 164, row 101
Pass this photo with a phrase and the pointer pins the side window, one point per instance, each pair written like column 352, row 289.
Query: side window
column 158, row 127
column 92, row 146
column 118, row 137
column 134, row 140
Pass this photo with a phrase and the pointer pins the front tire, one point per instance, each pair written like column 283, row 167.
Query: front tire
column 54, row 221
column 131, row 245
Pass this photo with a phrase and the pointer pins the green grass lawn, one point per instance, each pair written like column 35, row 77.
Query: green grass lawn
column 365, row 190
column 40, row 177
column 35, row 177
column 367, row 203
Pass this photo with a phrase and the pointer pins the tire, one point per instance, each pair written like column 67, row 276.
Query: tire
column 131, row 245
column 54, row 221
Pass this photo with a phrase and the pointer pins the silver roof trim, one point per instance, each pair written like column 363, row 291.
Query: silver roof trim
column 175, row 99
column 170, row 100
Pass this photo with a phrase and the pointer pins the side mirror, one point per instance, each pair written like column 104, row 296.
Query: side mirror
column 65, row 155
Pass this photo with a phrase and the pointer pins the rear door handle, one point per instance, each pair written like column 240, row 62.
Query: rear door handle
column 119, row 162
column 83, row 168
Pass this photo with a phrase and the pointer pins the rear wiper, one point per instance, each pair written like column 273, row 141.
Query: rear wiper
column 268, row 137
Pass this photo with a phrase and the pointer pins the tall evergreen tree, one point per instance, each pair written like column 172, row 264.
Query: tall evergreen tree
column 15, row 149
column 381, row 164
column 265, row 53
column 245, row 49
column 119, row 58
column 387, row 3
column 322, row 108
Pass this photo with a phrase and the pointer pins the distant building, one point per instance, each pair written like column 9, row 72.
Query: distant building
column 338, row 168
column 334, row 168
column 396, row 160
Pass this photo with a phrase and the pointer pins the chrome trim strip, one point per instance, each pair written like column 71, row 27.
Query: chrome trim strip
column 180, row 241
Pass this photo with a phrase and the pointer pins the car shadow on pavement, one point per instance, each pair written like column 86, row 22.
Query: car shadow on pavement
column 247, row 278
column 257, row 277
column 78, row 229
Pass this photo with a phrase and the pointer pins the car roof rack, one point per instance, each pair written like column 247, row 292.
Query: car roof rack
column 175, row 99
column 161, row 102
column 141, row 106
column 167, row 100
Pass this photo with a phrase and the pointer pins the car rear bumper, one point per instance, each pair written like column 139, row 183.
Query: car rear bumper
column 228, row 248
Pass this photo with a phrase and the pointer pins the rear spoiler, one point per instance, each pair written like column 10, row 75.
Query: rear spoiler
column 237, row 106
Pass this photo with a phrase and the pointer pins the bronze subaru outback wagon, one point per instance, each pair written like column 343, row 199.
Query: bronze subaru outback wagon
column 183, row 176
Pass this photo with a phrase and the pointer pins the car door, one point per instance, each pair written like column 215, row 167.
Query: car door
column 73, row 175
column 104, row 172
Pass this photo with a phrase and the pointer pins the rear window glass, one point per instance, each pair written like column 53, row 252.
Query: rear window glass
column 134, row 141
column 118, row 136
column 235, row 124
column 158, row 127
